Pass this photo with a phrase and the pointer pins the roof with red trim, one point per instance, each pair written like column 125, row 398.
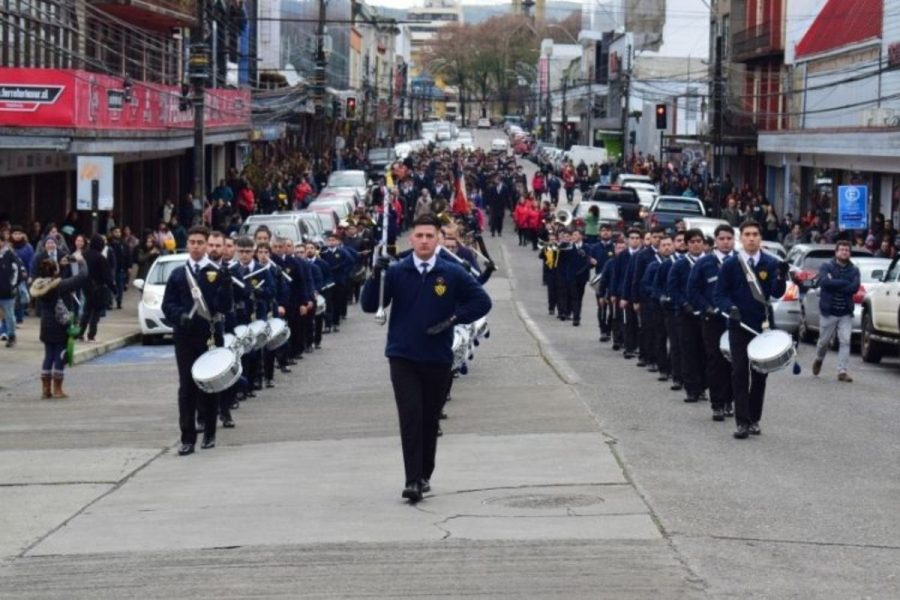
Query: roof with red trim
column 841, row 23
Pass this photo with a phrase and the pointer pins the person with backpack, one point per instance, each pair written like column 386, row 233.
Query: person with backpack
column 12, row 273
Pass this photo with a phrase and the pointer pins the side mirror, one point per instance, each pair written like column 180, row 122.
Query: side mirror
column 138, row 283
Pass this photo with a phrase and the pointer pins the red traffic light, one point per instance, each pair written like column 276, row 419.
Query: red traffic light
column 351, row 107
column 662, row 116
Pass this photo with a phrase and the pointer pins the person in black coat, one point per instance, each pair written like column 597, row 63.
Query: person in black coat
column 497, row 196
column 56, row 297
column 97, row 291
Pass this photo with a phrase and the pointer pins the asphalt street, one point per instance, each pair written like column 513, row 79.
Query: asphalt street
column 564, row 472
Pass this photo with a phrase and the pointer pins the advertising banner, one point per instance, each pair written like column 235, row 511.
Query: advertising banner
column 94, row 172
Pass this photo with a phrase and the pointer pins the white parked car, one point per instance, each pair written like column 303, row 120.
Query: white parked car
column 499, row 145
column 484, row 123
column 348, row 180
column 150, row 316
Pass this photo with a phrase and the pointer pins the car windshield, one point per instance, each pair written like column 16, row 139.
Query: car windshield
column 607, row 211
column 328, row 220
column 619, row 196
column 161, row 270
column 284, row 229
column 679, row 206
column 312, row 220
column 816, row 258
column 346, row 179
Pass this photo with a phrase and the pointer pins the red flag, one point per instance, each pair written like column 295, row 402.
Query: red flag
column 460, row 200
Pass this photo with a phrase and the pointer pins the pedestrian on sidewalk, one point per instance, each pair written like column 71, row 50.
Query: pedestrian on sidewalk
column 97, row 292
column 838, row 280
column 56, row 296
column 12, row 273
column 429, row 296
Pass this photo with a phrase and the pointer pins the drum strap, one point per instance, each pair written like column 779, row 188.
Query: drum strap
column 753, row 282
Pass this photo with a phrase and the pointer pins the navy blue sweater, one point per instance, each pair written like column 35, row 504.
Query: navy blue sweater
column 733, row 289
column 215, row 285
column 420, row 302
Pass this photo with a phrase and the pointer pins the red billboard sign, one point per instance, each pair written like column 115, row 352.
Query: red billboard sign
column 81, row 100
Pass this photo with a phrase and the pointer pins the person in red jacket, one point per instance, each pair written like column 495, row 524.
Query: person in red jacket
column 518, row 216
column 538, row 184
column 246, row 202
column 302, row 192
column 533, row 218
column 569, row 181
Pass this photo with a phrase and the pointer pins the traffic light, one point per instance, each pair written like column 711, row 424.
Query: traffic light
column 184, row 101
column 351, row 108
column 662, row 116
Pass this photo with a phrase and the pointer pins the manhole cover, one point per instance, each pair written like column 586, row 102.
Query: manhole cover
column 545, row 501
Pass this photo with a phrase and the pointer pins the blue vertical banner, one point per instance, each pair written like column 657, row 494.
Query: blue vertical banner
column 853, row 207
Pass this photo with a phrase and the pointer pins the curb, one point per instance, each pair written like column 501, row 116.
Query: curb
column 96, row 350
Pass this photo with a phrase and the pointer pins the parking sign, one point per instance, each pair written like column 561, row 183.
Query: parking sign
column 853, row 207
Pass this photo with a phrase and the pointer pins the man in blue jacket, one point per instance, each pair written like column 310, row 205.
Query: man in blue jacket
column 642, row 303
column 618, row 287
column 687, row 320
column 745, row 286
column 700, row 294
column 429, row 296
column 838, row 281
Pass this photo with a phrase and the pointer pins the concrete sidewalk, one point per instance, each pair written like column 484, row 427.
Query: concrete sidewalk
column 23, row 362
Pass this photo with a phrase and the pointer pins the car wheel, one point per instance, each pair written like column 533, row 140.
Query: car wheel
column 869, row 349
column 803, row 332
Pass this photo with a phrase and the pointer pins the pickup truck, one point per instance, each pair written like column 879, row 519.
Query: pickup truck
column 881, row 315
column 625, row 198
column 665, row 210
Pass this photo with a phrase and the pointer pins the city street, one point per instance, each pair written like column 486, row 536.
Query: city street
column 564, row 472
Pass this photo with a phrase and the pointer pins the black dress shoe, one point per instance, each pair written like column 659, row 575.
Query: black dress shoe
column 640, row 363
column 235, row 405
column 335, row 329
column 692, row 399
column 617, row 347
column 186, row 449
column 270, row 383
column 285, row 370
column 718, row 414
column 676, row 387
column 754, row 429
column 413, row 492
column 327, row 329
column 291, row 362
column 628, row 356
column 742, row 432
column 208, row 443
column 663, row 377
column 653, row 369
column 318, row 346
column 443, row 415
column 604, row 338
column 576, row 322
column 228, row 424
column 426, row 486
column 440, row 431
column 729, row 410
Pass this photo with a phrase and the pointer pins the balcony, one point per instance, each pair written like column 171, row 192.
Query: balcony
column 161, row 15
column 760, row 41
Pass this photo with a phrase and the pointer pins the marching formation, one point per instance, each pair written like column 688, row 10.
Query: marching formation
column 691, row 310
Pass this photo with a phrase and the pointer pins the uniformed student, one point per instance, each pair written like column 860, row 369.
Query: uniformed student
column 628, row 318
column 747, row 282
column 563, row 302
column 700, row 294
column 549, row 256
column 603, row 252
column 215, row 247
column 604, row 291
column 669, row 314
column 688, row 318
column 576, row 271
column 655, row 311
column 427, row 296
column 342, row 261
column 192, row 334
column 275, row 306
column 643, row 305
column 250, row 303
column 321, row 279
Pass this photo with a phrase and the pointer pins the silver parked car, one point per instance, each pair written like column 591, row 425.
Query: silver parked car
column 871, row 271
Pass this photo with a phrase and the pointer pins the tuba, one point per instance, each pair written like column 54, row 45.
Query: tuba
column 563, row 217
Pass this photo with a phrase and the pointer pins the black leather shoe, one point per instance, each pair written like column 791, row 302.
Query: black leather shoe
column 285, row 370
column 186, row 449
column 628, row 356
column 270, row 383
column 742, row 432
column 692, row 399
column 426, row 486
column 640, row 363
column 718, row 414
column 235, row 405
column 604, row 338
column 228, row 424
column 616, row 347
column 729, row 410
column 291, row 362
column 653, row 369
column 208, row 443
column 576, row 322
column 754, row 429
column 440, row 431
column 443, row 415
column 663, row 377
column 676, row 387
column 413, row 492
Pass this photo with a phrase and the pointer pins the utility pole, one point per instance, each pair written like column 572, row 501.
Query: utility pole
column 626, row 77
column 564, row 116
column 718, row 124
column 198, row 72
column 319, row 75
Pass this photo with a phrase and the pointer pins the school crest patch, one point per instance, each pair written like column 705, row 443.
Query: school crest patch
column 211, row 276
column 763, row 275
column 440, row 287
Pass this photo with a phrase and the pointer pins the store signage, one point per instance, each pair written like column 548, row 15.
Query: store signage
column 94, row 173
column 80, row 100
column 853, row 207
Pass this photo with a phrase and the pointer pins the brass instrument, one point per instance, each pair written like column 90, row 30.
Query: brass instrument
column 562, row 217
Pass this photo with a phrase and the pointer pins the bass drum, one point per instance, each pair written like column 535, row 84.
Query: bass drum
column 280, row 334
column 725, row 346
column 216, row 370
column 321, row 305
column 771, row 351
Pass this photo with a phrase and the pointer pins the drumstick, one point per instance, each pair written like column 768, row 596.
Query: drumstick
column 741, row 323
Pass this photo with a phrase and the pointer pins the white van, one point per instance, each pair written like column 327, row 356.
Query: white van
column 588, row 154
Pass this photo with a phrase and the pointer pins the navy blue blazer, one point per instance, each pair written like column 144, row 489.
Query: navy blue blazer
column 733, row 289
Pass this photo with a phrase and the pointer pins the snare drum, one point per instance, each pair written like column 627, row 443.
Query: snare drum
column 321, row 305
column 280, row 334
column 230, row 341
column 244, row 337
column 771, row 351
column 460, row 345
column 259, row 332
column 725, row 346
column 216, row 370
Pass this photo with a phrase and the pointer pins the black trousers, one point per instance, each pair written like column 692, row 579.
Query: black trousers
column 604, row 316
column 563, row 301
column 224, row 401
column 718, row 370
column 630, row 328
column 295, row 324
column 496, row 223
column 420, row 390
column 749, row 386
column 575, row 296
column 190, row 398
column 647, row 331
column 552, row 293
column 660, row 338
column 339, row 299
column 615, row 318
column 251, row 363
column 672, row 332
column 692, row 354
column 90, row 317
